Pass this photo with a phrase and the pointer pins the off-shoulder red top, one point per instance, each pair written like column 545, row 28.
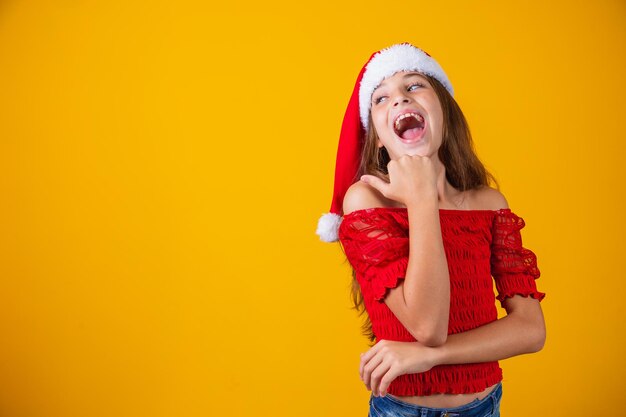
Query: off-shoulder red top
column 478, row 244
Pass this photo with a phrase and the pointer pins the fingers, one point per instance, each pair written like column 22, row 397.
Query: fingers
column 375, row 182
column 361, row 367
column 386, row 380
column 379, row 367
column 382, row 376
column 377, row 375
column 409, row 176
column 365, row 357
column 370, row 367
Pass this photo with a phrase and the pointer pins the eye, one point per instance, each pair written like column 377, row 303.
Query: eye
column 414, row 86
column 379, row 99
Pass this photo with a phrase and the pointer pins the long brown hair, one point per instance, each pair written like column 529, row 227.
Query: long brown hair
column 464, row 171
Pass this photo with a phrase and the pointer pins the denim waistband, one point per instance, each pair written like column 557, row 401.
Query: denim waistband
column 388, row 406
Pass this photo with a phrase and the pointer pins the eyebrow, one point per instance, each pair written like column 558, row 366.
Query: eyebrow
column 410, row 74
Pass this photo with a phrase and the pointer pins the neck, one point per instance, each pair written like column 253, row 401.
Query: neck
column 448, row 195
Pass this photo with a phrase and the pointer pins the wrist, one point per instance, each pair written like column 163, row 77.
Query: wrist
column 438, row 355
column 423, row 201
column 422, row 358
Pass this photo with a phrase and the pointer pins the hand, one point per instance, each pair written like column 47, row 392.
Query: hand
column 411, row 177
column 388, row 359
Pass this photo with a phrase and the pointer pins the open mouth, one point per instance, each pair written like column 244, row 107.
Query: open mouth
column 409, row 126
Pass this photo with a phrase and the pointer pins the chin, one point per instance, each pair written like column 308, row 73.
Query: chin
column 415, row 149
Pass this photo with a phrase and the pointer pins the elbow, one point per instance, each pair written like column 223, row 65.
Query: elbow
column 435, row 340
column 528, row 320
column 537, row 336
column 431, row 337
column 538, row 340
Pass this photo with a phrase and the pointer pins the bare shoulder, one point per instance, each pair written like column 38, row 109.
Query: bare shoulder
column 487, row 198
column 361, row 196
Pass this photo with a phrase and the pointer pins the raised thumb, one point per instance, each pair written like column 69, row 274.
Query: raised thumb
column 375, row 182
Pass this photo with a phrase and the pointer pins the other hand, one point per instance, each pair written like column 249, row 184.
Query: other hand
column 388, row 359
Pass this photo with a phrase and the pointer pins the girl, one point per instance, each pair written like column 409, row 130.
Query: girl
column 425, row 234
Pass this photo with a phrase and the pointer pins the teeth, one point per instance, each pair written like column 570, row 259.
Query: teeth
column 405, row 115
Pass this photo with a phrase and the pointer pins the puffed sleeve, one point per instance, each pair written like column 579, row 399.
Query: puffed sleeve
column 376, row 244
column 514, row 268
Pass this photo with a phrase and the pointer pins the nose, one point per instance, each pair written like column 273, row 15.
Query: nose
column 400, row 98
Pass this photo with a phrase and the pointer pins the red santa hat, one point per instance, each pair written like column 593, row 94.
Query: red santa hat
column 381, row 65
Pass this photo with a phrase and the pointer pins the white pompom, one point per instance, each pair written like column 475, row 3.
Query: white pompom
column 328, row 227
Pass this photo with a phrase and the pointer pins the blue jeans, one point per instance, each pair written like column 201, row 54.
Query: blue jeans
column 389, row 406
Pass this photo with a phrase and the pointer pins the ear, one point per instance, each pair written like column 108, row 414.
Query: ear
column 379, row 143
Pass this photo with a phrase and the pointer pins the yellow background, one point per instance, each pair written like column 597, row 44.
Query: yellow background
column 163, row 166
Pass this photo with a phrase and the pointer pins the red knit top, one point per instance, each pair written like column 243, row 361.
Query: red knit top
column 478, row 244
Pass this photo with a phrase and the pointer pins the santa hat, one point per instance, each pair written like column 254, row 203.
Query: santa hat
column 381, row 65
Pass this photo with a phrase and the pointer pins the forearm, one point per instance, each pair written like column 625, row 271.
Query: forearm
column 519, row 332
column 512, row 335
column 427, row 281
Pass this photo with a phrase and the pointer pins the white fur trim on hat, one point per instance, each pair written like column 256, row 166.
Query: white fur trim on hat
column 328, row 227
column 396, row 58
